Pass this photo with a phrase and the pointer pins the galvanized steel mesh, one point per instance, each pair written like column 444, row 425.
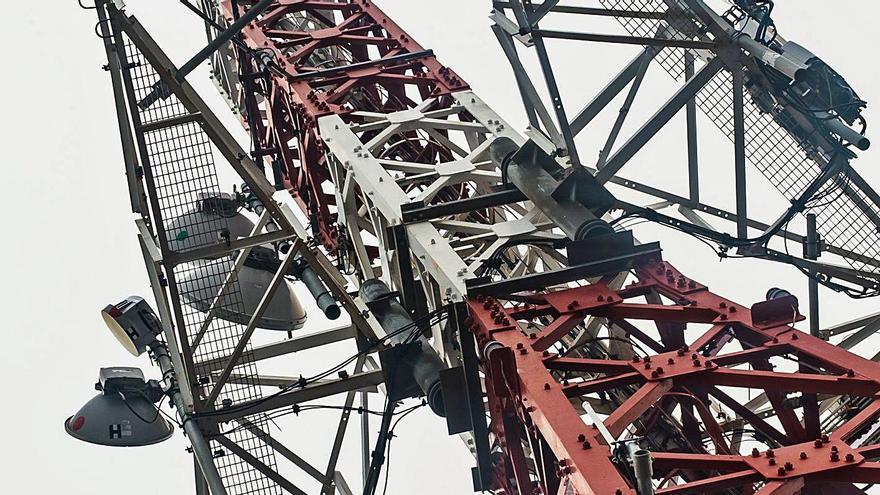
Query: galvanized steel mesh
column 847, row 218
column 180, row 170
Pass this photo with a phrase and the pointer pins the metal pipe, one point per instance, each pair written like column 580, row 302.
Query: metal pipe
column 200, row 447
column 425, row 363
column 848, row 134
column 644, row 471
column 561, row 201
column 319, row 291
column 792, row 69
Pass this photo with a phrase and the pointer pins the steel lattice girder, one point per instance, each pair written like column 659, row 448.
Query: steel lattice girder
column 530, row 403
column 324, row 67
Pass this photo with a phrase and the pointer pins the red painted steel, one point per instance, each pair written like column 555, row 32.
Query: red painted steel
column 529, row 399
column 547, row 446
column 282, row 110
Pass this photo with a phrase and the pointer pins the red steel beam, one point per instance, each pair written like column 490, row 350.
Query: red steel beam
column 282, row 107
column 541, row 398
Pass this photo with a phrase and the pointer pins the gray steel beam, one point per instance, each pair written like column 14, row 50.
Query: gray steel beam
column 259, row 465
column 692, row 144
column 200, row 447
column 282, row 449
column 858, row 337
column 243, row 342
column 643, row 135
column 626, row 40
column 622, row 114
column 849, row 326
column 328, row 488
column 556, row 100
column 358, row 382
column 284, row 347
column 739, row 153
column 576, row 9
column 535, row 109
column 223, row 38
column 136, row 192
column 811, row 252
column 592, row 109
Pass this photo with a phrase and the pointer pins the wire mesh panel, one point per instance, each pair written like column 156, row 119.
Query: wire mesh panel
column 180, row 171
column 847, row 218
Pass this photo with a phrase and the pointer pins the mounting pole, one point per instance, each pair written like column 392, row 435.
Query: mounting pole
column 200, row 447
column 812, row 250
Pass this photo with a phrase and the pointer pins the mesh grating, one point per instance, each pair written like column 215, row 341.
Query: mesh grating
column 847, row 219
column 181, row 172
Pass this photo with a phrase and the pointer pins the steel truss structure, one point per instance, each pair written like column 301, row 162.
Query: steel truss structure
column 394, row 162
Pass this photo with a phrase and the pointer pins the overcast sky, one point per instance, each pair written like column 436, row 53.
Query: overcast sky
column 70, row 246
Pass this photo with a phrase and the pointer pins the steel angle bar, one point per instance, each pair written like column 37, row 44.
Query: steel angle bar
column 223, row 38
column 219, row 135
column 220, row 249
column 622, row 114
column 259, row 465
column 849, row 326
column 282, row 449
column 643, row 135
column 181, row 372
column 596, row 11
column 626, row 40
column 739, row 151
column 328, row 488
column 692, row 143
column 858, row 337
column 137, row 195
column 537, row 113
column 284, row 347
column 357, row 382
column 227, row 281
column 277, row 280
column 600, row 101
column 556, row 99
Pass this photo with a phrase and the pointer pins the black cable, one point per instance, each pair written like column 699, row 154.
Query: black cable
column 414, row 327
column 158, row 407
column 86, row 7
column 391, row 437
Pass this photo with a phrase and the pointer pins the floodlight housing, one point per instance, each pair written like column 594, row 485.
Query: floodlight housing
column 199, row 288
column 133, row 322
column 199, row 226
column 124, row 414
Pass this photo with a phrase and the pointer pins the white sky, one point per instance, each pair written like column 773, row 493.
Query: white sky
column 71, row 248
